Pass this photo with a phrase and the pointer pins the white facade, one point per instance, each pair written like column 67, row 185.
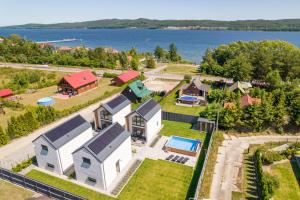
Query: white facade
column 103, row 173
column 61, row 159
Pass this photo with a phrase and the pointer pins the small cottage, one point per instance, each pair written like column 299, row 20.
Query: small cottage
column 144, row 123
column 113, row 111
column 125, row 77
column 240, row 86
column 5, row 93
column 196, row 88
column 99, row 161
column 136, row 91
column 54, row 148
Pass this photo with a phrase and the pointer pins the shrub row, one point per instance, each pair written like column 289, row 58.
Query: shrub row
column 24, row 164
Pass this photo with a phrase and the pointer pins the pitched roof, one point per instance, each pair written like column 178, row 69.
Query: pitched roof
column 148, row 109
column 79, row 79
column 127, row 76
column 139, row 89
column 247, row 100
column 106, row 142
column 6, row 92
column 67, row 131
column 116, row 104
column 200, row 85
column 241, row 86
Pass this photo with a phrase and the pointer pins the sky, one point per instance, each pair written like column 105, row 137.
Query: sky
column 14, row 12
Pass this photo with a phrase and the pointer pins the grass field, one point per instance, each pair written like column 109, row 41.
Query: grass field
column 169, row 104
column 181, row 129
column 180, row 69
column 10, row 191
column 60, row 104
column 289, row 180
column 155, row 179
column 8, row 114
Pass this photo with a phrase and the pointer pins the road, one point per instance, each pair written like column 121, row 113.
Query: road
column 20, row 149
column 230, row 160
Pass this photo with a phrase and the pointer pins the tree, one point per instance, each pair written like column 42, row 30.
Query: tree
column 187, row 78
column 134, row 63
column 238, row 68
column 295, row 110
column 274, row 79
column 211, row 111
column 3, row 137
column 173, row 55
column 230, row 117
column 253, row 117
column 123, row 60
column 159, row 53
column 150, row 62
column 133, row 52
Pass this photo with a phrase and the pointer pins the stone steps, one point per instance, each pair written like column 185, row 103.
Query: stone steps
column 126, row 177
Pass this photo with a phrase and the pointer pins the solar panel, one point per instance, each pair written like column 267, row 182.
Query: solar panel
column 116, row 101
column 106, row 138
column 147, row 107
column 64, row 128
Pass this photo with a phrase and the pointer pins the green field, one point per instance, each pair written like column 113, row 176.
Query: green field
column 181, row 129
column 169, row 104
column 180, row 69
column 155, row 179
column 289, row 180
column 10, row 191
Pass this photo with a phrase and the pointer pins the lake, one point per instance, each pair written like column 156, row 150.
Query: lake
column 190, row 43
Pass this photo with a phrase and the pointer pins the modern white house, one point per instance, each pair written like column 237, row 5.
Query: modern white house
column 99, row 161
column 54, row 148
column 113, row 111
column 144, row 123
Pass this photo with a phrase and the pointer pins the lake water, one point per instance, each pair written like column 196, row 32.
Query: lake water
column 190, row 43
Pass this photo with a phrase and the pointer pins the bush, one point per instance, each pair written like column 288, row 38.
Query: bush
column 109, row 75
column 269, row 157
column 187, row 78
column 24, row 164
column 3, row 137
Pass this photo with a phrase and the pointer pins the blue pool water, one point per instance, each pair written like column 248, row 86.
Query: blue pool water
column 183, row 143
column 188, row 98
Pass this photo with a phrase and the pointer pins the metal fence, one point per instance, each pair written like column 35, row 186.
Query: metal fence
column 179, row 117
column 37, row 186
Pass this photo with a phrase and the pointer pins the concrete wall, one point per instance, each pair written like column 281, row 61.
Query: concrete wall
column 153, row 126
column 51, row 157
column 67, row 150
column 120, row 116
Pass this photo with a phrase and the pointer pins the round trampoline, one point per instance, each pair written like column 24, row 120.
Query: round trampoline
column 47, row 101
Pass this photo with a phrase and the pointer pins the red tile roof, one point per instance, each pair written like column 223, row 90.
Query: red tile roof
column 127, row 76
column 79, row 79
column 247, row 100
column 6, row 92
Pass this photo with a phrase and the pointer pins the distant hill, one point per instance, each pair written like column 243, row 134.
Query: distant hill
column 260, row 25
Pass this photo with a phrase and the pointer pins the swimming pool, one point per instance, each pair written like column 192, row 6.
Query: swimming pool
column 183, row 145
column 47, row 101
column 188, row 98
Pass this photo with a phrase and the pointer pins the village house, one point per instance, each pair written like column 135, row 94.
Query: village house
column 113, row 111
column 5, row 93
column 136, row 91
column 76, row 83
column 196, row 88
column 54, row 148
column 144, row 123
column 125, row 77
column 245, row 101
column 240, row 86
column 64, row 49
column 1, row 40
column 99, row 161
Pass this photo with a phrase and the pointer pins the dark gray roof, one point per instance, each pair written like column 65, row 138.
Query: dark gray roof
column 106, row 142
column 201, row 119
column 65, row 132
column 148, row 109
column 116, row 104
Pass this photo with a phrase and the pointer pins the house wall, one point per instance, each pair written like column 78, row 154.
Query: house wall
column 122, row 153
column 95, row 170
column 153, row 126
column 87, row 87
column 67, row 150
column 120, row 116
column 51, row 157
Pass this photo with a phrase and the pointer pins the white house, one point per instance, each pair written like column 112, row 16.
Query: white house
column 113, row 111
column 54, row 148
column 144, row 123
column 99, row 161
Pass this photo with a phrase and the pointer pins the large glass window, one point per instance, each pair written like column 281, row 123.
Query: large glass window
column 139, row 133
column 44, row 150
column 138, row 121
column 105, row 115
column 86, row 162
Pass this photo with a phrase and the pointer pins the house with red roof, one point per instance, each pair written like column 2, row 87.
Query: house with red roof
column 77, row 83
column 125, row 77
column 6, row 93
column 247, row 100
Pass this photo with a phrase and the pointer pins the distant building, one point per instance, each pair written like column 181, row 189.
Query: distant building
column 113, row 111
column 65, row 49
column 1, row 40
column 77, row 83
column 240, row 86
column 54, row 148
column 110, row 50
column 196, row 88
column 144, row 123
column 136, row 91
column 125, row 77
column 44, row 45
column 247, row 100
column 99, row 161
column 6, row 93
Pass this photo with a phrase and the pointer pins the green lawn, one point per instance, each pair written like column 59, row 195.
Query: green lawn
column 10, row 191
column 181, row 69
column 155, row 179
column 181, row 129
column 169, row 104
column 287, row 173
column 158, row 180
